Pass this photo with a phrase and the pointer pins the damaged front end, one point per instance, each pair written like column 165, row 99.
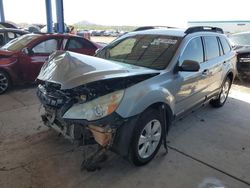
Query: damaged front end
column 85, row 112
column 79, row 114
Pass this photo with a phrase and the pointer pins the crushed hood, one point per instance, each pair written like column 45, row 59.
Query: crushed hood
column 71, row 69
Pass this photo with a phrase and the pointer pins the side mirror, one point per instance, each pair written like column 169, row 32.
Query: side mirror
column 189, row 66
column 25, row 51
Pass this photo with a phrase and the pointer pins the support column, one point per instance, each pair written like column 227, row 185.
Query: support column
column 49, row 16
column 60, row 16
column 2, row 18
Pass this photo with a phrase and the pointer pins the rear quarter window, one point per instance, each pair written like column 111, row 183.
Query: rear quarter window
column 225, row 45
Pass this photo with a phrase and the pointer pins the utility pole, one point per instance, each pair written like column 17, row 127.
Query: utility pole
column 2, row 18
column 60, row 16
column 49, row 16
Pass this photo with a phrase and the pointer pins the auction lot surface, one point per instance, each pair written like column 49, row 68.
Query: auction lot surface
column 209, row 148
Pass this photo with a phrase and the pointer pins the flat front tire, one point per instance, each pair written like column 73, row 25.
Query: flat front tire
column 147, row 138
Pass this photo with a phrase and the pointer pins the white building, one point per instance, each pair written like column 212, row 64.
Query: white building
column 227, row 26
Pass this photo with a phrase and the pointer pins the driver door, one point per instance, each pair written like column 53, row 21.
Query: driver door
column 191, row 91
column 36, row 57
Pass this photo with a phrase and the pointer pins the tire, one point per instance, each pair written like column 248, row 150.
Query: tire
column 222, row 98
column 4, row 82
column 147, row 138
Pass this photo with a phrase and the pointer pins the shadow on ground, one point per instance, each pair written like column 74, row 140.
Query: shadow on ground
column 211, row 148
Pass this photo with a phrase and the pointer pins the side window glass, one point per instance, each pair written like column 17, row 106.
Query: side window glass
column 77, row 43
column 47, row 46
column 73, row 44
column 212, row 47
column 193, row 51
column 225, row 45
column 1, row 39
column 10, row 36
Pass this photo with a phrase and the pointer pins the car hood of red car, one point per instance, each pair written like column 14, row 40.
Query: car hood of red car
column 72, row 69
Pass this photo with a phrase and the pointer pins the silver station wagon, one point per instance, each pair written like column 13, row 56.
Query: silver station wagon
column 126, row 97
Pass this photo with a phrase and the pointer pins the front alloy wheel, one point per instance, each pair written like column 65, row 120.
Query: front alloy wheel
column 4, row 82
column 147, row 138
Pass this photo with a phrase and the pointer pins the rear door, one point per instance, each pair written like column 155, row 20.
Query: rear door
column 212, row 67
column 38, row 54
column 79, row 45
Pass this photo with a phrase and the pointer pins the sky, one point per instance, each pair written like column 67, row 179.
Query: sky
column 130, row 12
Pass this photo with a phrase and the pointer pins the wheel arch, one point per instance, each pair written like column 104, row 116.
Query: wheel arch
column 230, row 75
column 159, row 106
column 122, row 140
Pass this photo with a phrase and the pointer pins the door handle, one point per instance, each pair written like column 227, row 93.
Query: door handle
column 205, row 72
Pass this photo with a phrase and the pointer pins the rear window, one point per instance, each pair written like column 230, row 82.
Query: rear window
column 225, row 45
column 151, row 51
column 212, row 47
column 78, row 43
column 18, row 44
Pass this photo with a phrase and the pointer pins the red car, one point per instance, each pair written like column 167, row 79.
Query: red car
column 22, row 58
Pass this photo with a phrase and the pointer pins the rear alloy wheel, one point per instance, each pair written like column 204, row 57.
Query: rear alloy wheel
column 147, row 138
column 220, row 101
column 4, row 82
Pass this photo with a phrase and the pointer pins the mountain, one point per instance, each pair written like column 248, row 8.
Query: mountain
column 84, row 23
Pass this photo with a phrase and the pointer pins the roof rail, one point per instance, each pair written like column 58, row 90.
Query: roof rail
column 152, row 27
column 203, row 28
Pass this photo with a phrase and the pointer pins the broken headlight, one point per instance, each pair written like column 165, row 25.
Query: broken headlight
column 97, row 108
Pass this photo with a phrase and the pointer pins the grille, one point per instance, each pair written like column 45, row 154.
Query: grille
column 51, row 96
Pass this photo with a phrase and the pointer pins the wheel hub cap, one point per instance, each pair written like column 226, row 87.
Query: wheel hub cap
column 149, row 138
column 224, row 92
column 3, row 83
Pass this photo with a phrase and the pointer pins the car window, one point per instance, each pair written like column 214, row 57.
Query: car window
column 125, row 47
column 212, row 47
column 1, row 39
column 11, row 35
column 225, row 45
column 76, row 43
column 151, row 51
column 193, row 51
column 47, row 46
column 21, row 42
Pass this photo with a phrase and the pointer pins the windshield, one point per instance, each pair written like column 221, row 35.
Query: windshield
column 241, row 39
column 19, row 43
column 151, row 51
